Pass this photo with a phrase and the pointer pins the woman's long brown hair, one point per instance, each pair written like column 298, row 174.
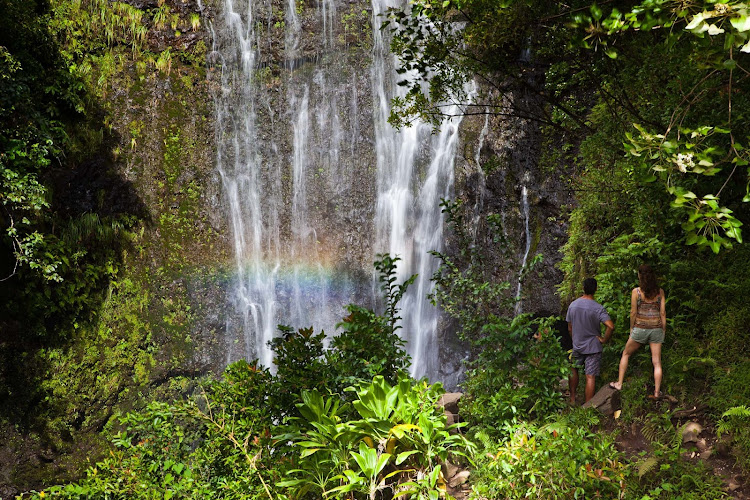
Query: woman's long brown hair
column 647, row 281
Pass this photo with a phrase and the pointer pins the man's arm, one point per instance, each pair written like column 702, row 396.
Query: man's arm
column 570, row 329
column 608, row 332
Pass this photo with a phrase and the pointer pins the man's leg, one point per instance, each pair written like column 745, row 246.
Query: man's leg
column 656, row 360
column 630, row 347
column 573, row 384
column 590, row 386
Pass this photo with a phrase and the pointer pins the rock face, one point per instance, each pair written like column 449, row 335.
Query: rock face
column 518, row 198
column 316, row 182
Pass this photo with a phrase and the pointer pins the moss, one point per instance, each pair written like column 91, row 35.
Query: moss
column 85, row 381
column 536, row 236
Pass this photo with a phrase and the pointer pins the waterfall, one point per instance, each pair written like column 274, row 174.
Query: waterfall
column 317, row 182
column 482, row 183
column 518, row 309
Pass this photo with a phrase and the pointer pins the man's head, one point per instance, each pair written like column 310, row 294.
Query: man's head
column 589, row 286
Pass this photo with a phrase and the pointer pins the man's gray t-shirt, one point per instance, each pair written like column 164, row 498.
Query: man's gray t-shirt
column 585, row 315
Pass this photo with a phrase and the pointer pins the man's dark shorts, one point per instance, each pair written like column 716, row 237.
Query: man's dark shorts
column 591, row 363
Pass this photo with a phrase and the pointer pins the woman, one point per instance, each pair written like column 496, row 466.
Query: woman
column 648, row 324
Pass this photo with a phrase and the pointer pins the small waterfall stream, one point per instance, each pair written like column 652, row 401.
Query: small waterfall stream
column 518, row 308
column 317, row 182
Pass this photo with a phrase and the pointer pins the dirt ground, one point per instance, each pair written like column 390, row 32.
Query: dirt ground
column 707, row 448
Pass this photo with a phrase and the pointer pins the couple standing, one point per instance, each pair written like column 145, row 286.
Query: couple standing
column 648, row 321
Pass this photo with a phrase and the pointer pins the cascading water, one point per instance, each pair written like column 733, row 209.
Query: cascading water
column 482, row 181
column 518, row 309
column 408, row 219
column 316, row 180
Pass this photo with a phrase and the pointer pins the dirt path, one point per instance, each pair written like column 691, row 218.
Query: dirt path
column 704, row 448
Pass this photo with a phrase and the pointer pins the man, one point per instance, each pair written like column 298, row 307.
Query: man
column 584, row 317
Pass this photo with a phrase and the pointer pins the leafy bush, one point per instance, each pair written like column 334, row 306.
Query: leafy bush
column 399, row 443
column 563, row 459
column 300, row 364
column 369, row 345
column 516, row 376
column 210, row 446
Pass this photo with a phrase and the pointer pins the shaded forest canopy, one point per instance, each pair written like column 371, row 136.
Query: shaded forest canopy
column 643, row 105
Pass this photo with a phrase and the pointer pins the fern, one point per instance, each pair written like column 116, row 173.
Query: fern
column 658, row 428
column 738, row 411
column 646, row 465
column 732, row 420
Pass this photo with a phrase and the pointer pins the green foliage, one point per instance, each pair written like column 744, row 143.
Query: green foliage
column 398, row 443
column 40, row 100
column 733, row 420
column 218, row 444
column 369, row 344
column 207, row 446
column 300, row 363
column 690, row 136
column 734, row 423
column 664, row 473
column 565, row 458
column 516, row 375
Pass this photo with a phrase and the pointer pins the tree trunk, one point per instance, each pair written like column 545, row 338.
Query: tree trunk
column 606, row 400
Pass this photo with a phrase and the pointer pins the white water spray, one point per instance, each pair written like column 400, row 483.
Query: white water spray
column 299, row 194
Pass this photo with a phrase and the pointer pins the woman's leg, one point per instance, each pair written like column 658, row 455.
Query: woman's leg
column 630, row 347
column 656, row 360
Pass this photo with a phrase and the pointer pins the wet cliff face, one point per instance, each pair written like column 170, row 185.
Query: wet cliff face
column 316, row 182
column 294, row 138
column 517, row 197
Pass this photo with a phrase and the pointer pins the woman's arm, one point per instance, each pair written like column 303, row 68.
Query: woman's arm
column 633, row 307
column 663, row 311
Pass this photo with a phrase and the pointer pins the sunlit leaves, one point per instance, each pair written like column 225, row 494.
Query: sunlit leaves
column 400, row 433
column 701, row 151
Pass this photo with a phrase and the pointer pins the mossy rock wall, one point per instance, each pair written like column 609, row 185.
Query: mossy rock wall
column 502, row 154
column 162, row 313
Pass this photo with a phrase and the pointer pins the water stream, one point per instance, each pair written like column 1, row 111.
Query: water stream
column 317, row 182
column 518, row 308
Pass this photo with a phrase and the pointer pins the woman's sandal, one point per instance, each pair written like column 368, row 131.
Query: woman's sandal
column 656, row 398
column 613, row 386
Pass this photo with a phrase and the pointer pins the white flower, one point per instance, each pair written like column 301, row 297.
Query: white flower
column 684, row 161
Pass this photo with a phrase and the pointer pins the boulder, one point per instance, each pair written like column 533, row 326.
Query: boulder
column 690, row 432
column 451, row 418
column 459, row 479
column 449, row 401
column 449, row 470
